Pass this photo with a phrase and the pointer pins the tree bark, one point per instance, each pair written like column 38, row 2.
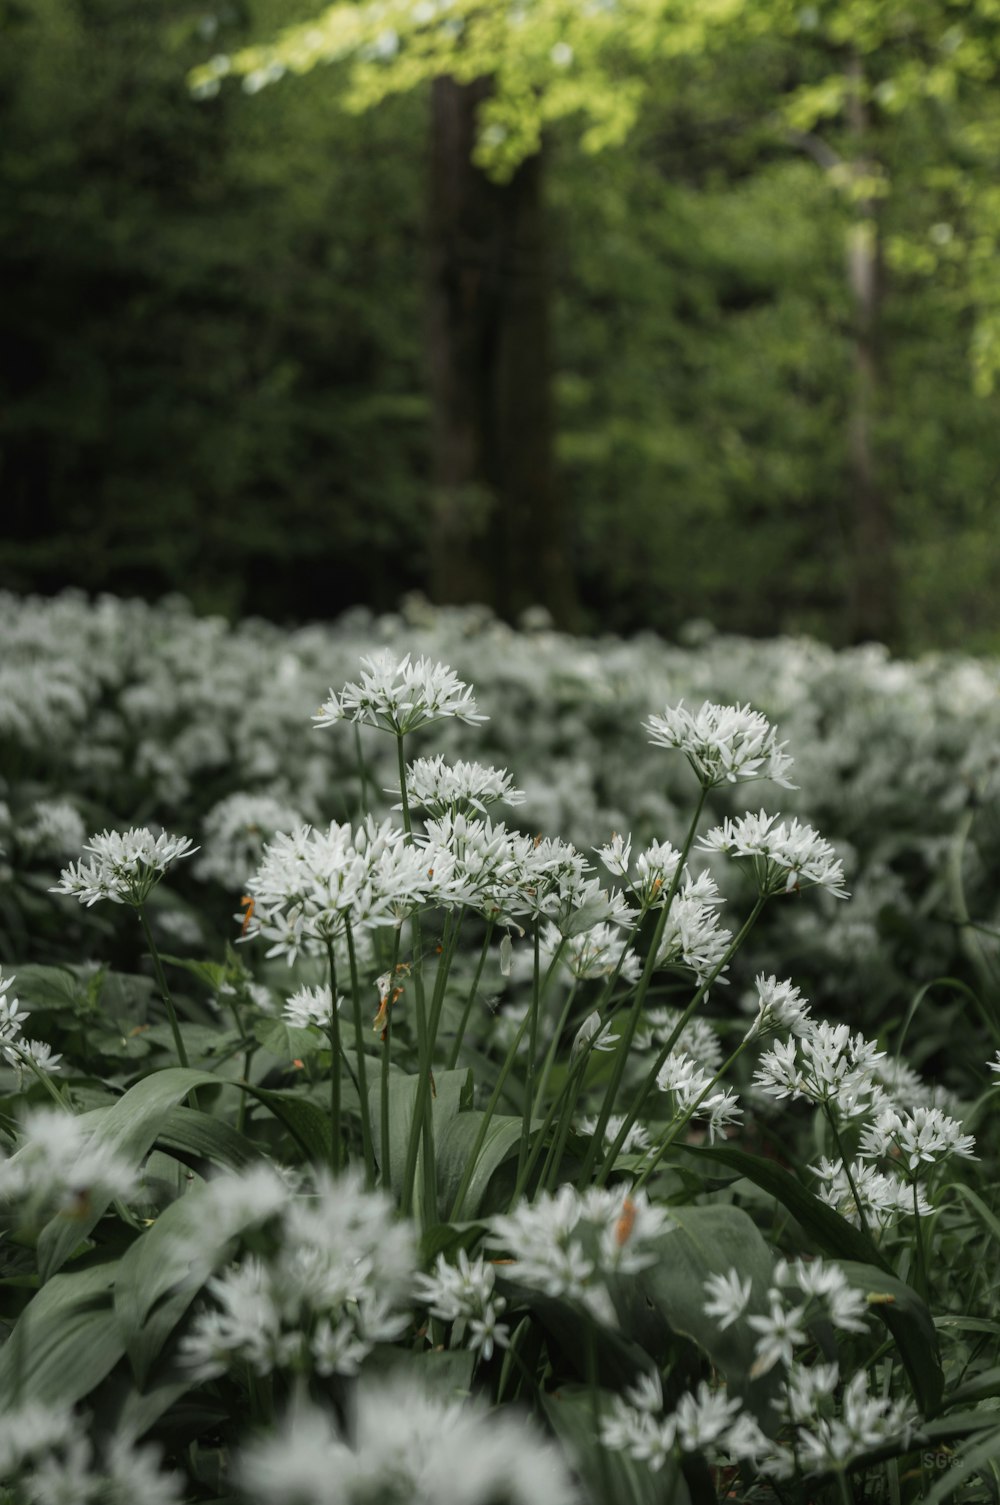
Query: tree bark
column 873, row 600
column 498, row 521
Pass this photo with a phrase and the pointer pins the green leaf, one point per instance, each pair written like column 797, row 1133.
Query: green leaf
column 163, row 1271
column 197, row 1133
column 452, row 1093
column 983, row 1386
column 130, row 1127
column 66, row 1340
column 986, row 1216
column 710, row 1241
column 834, row 1234
column 909, row 1320
column 307, row 1123
column 610, row 1478
column 286, row 1041
column 452, row 1152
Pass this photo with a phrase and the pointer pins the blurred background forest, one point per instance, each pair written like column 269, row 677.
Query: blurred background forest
column 707, row 330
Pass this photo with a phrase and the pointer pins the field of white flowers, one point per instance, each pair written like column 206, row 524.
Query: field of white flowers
column 446, row 1063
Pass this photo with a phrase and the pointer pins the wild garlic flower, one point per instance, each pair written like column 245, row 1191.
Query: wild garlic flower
column 60, row 1160
column 125, row 866
column 46, row 1455
column 705, row 1417
column 698, row 1038
column 593, row 1035
column 438, row 1450
column 780, row 1005
column 635, row 1141
column 439, row 788
column 12, row 1017
column 336, row 1281
column 723, row 743
column 995, row 1066
column 594, row 954
column 823, row 1290
column 650, row 877
column 53, row 829
column 826, row 1065
column 572, row 1244
column 312, row 883
column 693, row 936
column 883, row 1197
column 782, row 857
column 728, row 1296
column 866, row 1422
column 632, row 1424
column 464, row 1294
column 923, row 1136
column 400, row 696
column 690, row 1086
column 311, row 1006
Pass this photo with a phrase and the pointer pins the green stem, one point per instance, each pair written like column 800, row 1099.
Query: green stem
column 675, row 1035
column 385, row 1168
column 368, row 1148
column 334, row 1034
column 464, row 1021
column 685, row 1118
column 529, row 1076
column 362, row 772
column 569, row 1092
column 488, row 1113
column 831, row 1120
column 423, row 1107
column 632, row 1022
column 550, row 1055
column 924, row 1284
column 161, row 982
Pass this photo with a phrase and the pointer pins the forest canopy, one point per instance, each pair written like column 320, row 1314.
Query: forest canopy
column 648, row 312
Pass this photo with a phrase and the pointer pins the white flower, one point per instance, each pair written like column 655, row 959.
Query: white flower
column 61, row 1158
column 311, row 1006
column 399, row 696
column 311, row 884
column 779, row 1006
column 923, row 1135
column 654, row 871
column 703, row 1418
column 464, row 1294
column 783, row 857
column 593, row 1035
column 728, row 1295
column 570, row 1244
column 441, row 788
column 438, row 1450
column 595, row 953
column 883, row 1196
column 779, row 1332
column 691, row 1086
column 723, row 743
column 827, row 1065
column 636, row 1140
column 866, row 1422
column 124, row 867
column 692, row 936
column 235, row 832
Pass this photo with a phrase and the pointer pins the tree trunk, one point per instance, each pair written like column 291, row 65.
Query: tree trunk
column 498, row 525
column 873, row 604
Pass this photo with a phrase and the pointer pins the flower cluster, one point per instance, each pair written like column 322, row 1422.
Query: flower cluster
column 438, row 1450
column 124, row 867
column 782, row 857
column 15, row 1049
column 826, row 1064
column 691, row 1087
column 464, row 1294
column 400, row 696
column 723, row 743
column 62, row 1163
column 438, row 788
column 334, row 1280
column 573, row 1244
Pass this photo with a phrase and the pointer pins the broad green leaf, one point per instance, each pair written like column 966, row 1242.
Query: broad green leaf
column 452, row 1151
column 986, row 1216
column 834, row 1234
column 286, row 1041
column 162, row 1272
column 66, row 1340
column 130, row 1127
column 307, row 1123
column 452, row 1093
column 609, row 1478
column 710, row 1241
column 983, row 1386
column 196, row 1133
column 911, row 1324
